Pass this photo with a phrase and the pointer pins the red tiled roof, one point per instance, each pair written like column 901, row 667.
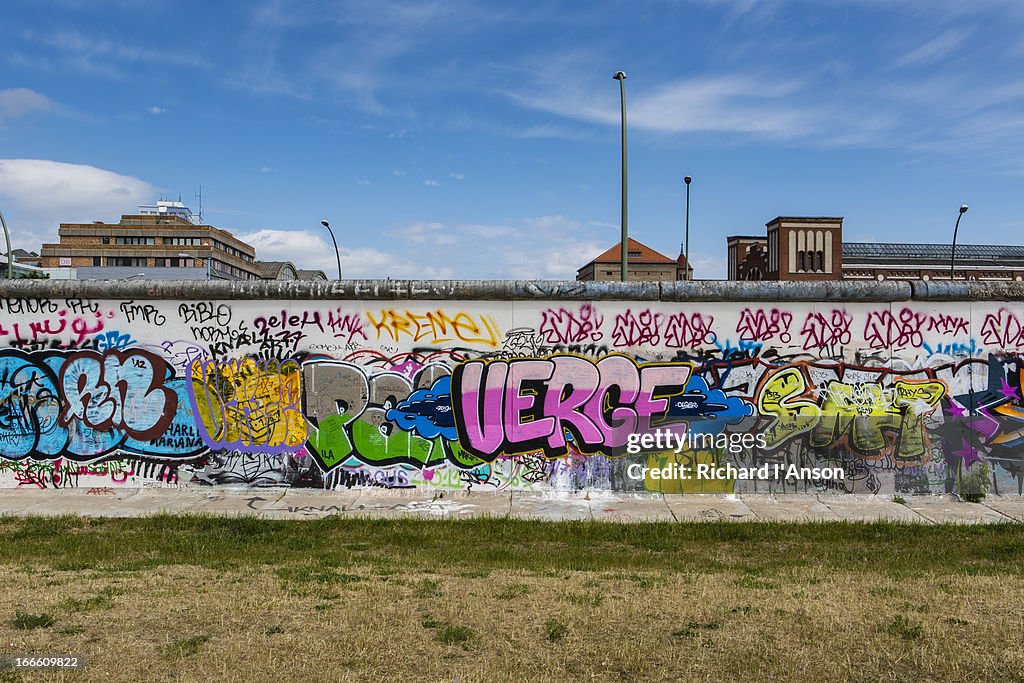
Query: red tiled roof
column 647, row 255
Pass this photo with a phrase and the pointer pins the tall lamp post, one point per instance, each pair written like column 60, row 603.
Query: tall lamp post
column 7, row 236
column 952, row 255
column 620, row 76
column 686, row 239
column 336, row 253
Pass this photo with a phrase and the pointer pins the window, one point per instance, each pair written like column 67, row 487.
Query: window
column 105, row 240
column 135, row 241
column 184, row 241
column 800, row 261
column 97, row 261
column 821, row 261
column 127, row 261
column 633, row 254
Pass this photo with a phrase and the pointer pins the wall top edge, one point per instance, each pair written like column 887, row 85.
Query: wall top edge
column 503, row 290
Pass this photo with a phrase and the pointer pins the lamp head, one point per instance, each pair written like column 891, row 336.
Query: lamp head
column 325, row 223
column 620, row 75
column 963, row 208
column 687, row 180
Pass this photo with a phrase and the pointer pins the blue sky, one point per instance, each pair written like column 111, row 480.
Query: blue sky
column 481, row 139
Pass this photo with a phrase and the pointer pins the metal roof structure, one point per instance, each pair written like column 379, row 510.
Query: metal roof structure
column 872, row 251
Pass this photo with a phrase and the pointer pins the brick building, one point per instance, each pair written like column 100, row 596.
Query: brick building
column 159, row 242
column 812, row 248
column 643, row 264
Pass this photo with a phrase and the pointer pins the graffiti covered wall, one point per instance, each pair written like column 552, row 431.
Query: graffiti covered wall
column 537, row 393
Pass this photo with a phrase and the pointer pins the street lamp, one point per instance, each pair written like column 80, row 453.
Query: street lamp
column 686, row 247
column 952, row 255
column 620, row 76
column 208, row 273
column 7, row 235
column 336, row 253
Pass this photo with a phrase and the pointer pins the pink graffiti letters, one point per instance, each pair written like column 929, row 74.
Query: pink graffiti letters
column 522, row 405
column 571, row 327
column 764, row 325
column 823, row 330
column 1003, row 329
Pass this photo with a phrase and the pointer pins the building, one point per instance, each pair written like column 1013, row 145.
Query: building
column 643, row 264
column 20, row 269
column 286, row 270
column 160, row 242
column 29, row 258
column 812, row 248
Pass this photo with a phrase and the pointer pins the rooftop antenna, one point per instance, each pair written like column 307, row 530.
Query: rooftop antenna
column 199, row 198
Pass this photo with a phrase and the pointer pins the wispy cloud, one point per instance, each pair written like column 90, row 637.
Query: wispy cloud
column 430, row 182
column 934, row 49
column 309, row 250
column 498, row 250
column 457, row 176
column 156, row 111
column 15, row 102
column 753, row 103
column 503, row 250
column 106, row 58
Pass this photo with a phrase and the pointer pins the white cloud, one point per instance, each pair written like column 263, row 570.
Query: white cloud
column 430, row 182
column 265, row 169
column 15, row 102
column 499, row 251
column 457, row 176
column 45, row 193
column 362, row 182
column 423, row 249
column 423, row 233
column 309, row 250
column 727, row 103
column 156, row 111
column 398, row 173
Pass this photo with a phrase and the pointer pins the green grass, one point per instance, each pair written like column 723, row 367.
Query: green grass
column 454, row 635
column 516, row 590
column 27, row 622
column 310, row 551
column 186, row 647
column 905, row 628
column 555, row 630
column 510, row 600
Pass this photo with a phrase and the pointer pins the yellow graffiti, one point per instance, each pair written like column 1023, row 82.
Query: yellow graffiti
column 248, row 403
column 436, row 327
column 780, row 396
column 687, row 465
column 864, row 410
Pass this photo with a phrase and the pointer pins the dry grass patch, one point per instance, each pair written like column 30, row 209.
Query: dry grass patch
column 738, row 613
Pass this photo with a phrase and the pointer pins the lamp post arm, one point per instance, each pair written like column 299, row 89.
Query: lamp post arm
column 7, row 236
column 952, row 253
column 337, row 254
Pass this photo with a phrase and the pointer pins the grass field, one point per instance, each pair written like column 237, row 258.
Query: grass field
column 196, row 599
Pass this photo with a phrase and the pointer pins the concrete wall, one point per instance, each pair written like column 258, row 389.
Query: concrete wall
column 486, row 386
